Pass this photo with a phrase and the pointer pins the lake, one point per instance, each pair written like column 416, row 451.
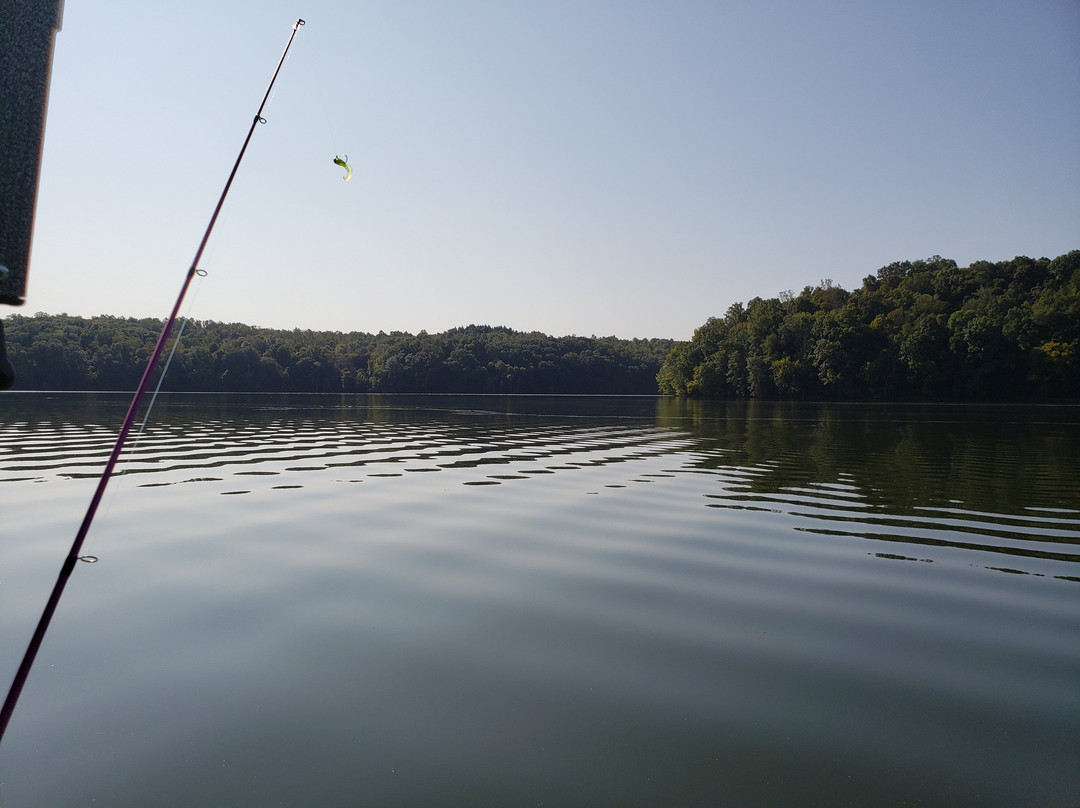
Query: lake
column 543, row 601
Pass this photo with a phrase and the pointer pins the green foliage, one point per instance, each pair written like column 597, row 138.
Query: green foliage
column 917, row 330
column 58, row 352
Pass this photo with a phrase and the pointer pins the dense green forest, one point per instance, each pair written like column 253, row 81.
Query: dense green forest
column 59, row 352
column 917, row 330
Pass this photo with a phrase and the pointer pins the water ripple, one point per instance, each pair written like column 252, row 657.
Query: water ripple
column 863, row 492
column 668, row 593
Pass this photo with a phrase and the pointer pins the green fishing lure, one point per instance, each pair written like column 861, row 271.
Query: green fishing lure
column 344, row 164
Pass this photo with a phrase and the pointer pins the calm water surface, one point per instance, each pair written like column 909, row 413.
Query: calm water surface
column 523, row 601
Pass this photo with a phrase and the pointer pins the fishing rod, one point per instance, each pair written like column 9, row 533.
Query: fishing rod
column 129, row 419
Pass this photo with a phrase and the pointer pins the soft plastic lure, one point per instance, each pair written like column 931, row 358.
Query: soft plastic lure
column 344, row 164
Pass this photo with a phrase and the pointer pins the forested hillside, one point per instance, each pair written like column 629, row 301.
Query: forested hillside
column 917, row 330
column 58, row 352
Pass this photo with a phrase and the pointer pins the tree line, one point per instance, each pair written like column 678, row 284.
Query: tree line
column 61, row 352
column 925, row 330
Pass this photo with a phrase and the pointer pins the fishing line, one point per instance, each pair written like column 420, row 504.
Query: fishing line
column 321, row 83
column 161, row 378
column 73, row 554
column 201, row 273
column 131, row 451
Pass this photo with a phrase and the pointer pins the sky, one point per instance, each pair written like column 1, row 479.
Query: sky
column 588, row 167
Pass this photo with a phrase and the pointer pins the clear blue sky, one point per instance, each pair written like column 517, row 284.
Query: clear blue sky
column 584, row 167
